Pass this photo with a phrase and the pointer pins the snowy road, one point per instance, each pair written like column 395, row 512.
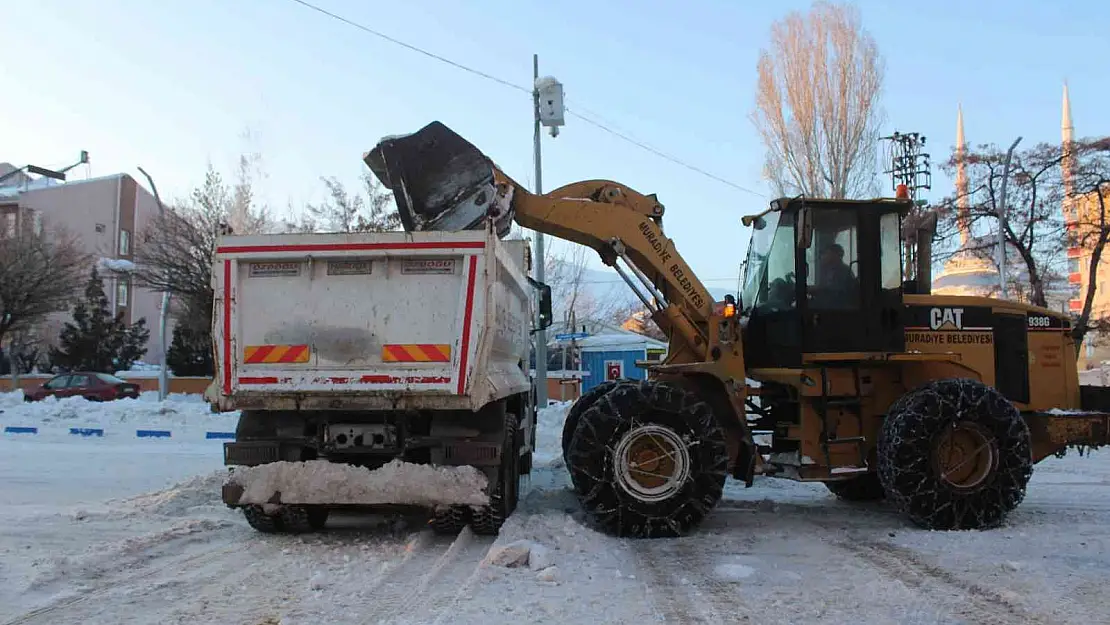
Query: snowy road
column 780, row 551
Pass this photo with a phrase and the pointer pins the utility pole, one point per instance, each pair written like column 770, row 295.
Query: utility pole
column 909, row 166
column 1002, row 221
column 547, row 109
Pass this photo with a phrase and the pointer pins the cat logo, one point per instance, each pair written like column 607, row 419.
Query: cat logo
column 946, row 319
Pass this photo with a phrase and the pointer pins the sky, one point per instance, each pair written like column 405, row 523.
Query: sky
column 172, row 85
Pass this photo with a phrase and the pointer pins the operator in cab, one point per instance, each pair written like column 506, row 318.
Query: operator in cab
column 836, row 285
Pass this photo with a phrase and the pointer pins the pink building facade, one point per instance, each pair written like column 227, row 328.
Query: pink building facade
column 105, row 214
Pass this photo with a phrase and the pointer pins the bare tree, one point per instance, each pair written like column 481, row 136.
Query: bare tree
column 176, row 250
column 1035, row 228
column 818, row 104
column 344, row 212
column 578, row 301
column 1089, row 194
column 40, row 273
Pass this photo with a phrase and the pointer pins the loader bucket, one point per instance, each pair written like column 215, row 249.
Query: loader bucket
column 439, row 180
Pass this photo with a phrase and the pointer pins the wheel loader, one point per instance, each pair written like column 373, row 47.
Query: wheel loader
column 834, row 345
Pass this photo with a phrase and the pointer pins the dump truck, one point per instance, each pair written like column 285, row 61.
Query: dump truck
column 359, row 360
column 866, row 381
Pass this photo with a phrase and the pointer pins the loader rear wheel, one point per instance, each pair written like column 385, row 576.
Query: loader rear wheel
column 487, row 520
column 648, row 460
column 262, row 522
column 866, row 487
column 955, row 454
column 582, row 404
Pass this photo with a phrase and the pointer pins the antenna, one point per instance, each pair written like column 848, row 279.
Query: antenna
column 909, row 166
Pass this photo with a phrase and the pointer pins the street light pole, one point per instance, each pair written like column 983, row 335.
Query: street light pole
column 541, row 336
column 1002, row 220
column 163, row 370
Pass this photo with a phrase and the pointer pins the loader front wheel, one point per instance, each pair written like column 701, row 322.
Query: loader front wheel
column 955, row 454
column 582, row 404
column 648, row 460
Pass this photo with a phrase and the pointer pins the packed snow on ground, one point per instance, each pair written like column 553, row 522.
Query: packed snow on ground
column 176, row 410
column 778, row 550
column 320, row 481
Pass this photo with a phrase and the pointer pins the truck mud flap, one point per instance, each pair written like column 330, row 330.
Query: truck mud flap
column 440, row 181
column 254, row 453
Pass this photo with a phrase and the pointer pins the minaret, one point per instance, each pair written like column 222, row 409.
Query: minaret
column 1067, row 136
column 962, row 201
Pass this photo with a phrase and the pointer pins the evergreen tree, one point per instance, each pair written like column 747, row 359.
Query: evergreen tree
column 95, row 340
column 190, row 352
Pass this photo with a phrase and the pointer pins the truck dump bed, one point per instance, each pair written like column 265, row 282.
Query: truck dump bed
column 370, row 321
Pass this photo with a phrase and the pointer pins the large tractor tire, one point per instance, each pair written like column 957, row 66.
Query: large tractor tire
column 866, row 487
column 954, row 454
column 582, row 404
column 648, row 460
column 487, row 520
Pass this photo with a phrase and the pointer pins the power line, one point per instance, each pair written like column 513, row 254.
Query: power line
column 433, row 55
column 522, row 89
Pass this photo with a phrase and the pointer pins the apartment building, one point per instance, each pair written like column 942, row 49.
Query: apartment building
column 104, row 213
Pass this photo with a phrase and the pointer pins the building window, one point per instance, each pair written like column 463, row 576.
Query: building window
column 124, row 243
column 9, row 224
column 1073, row 265
column 36, row 223
column 121, row 294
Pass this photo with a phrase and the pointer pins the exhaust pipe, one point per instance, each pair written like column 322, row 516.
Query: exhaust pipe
column 440, row 181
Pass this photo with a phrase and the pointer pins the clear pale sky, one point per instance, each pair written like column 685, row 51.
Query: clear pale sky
column 170, row 84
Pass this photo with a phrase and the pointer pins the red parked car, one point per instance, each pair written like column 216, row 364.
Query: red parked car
column 91, row 386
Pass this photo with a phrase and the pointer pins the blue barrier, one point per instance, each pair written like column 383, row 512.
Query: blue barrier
column 88, row 432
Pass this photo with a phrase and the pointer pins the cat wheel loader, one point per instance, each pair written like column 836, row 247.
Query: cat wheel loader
column 834, row 345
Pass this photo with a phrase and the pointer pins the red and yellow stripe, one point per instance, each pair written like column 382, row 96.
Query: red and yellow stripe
column 416, row 352
column 274, row 354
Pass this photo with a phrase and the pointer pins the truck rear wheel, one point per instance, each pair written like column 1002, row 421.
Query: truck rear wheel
column 450, row 519
column 650, row 461
column 487, row 520
column 954, row 454
column 262, row 522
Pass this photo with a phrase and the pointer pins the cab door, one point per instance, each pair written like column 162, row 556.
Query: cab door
column 852, row 279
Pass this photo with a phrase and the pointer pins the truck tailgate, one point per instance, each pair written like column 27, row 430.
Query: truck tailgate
column 374, row 314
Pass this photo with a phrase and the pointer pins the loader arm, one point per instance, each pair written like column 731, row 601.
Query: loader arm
column 439, row 179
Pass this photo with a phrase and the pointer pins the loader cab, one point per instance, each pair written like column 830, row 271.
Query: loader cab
column 823, row 276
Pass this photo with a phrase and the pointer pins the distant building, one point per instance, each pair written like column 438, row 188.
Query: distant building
column 968, row 271
column 105, row 214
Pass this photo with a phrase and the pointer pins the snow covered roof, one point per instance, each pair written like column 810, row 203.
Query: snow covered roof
column 621, row 341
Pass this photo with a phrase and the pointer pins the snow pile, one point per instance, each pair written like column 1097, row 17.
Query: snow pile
column 10, row 399
column 549, row 433
column 320, row 482
column 199, row 493
column 177, row 410
column 117, row 265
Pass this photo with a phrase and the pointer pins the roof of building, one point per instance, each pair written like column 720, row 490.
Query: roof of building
column 621, row 341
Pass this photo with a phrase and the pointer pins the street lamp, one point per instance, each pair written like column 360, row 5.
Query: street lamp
column 163, row 370
column 1002, row 221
